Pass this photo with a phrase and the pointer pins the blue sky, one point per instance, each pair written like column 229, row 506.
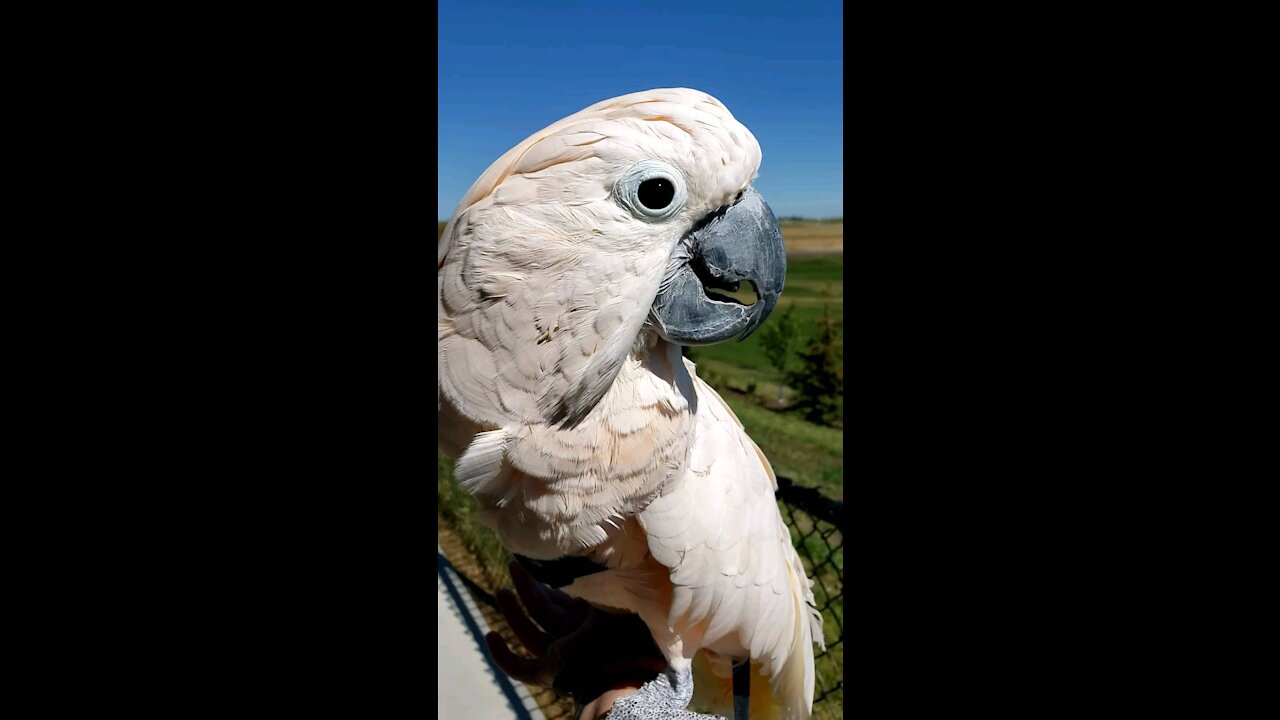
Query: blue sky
column 509, row 69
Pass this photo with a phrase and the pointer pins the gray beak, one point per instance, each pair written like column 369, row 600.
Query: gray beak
column 739, row 244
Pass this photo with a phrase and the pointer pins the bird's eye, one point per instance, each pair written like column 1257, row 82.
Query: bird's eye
column 656, row 193
column 651, row 190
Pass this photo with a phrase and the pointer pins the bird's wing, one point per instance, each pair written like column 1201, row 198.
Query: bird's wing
column 736, row 578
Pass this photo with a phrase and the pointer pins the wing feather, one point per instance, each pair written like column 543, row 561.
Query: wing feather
column 736, row 579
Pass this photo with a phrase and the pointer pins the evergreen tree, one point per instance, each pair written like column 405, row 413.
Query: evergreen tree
column 819, row 379
column 778, row 338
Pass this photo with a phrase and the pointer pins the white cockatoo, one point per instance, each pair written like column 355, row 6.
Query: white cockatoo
column 569, row 277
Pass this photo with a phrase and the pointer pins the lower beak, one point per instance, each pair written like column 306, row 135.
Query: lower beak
column 742, row 244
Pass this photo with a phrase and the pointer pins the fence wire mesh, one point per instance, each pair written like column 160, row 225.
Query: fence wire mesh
column 817, row 531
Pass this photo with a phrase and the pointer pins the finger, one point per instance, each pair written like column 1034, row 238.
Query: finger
column 522, row 669
column 541, row 604
column 578, row 610
column 555, row 596
column 534, row 640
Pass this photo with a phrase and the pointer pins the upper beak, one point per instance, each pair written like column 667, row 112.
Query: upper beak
column 741, row 244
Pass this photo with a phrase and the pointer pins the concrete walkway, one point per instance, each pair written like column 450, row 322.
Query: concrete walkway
column 470, row 685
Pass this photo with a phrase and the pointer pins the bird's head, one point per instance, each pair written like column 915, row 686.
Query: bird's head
column 658, row 174
column 637, row 212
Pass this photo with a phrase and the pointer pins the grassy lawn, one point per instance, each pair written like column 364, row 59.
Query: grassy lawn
column 461, row 512
column 810, row 454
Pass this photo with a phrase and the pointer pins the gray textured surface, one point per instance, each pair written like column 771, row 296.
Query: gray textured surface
column 470, row 686
column 656, row 700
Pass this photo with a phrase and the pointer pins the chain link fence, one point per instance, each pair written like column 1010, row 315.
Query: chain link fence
column 817, row 531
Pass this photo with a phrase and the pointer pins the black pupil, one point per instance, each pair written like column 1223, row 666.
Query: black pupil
column 656, row 193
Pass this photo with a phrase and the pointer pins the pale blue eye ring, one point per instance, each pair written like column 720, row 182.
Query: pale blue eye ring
column 651, row 190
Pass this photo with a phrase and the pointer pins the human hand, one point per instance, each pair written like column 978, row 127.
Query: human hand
column 593, row 655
